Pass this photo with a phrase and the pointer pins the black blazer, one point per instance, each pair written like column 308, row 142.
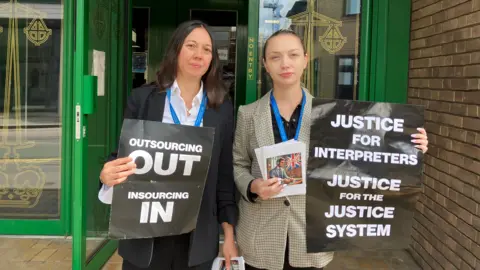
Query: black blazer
column 218, row 202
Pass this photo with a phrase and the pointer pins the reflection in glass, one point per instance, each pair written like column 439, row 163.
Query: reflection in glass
column 345, row 81
column 225, row 37
column 330, row 30
column 30, row 111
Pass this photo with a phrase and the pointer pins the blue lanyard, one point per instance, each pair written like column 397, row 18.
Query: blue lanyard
column 276, row 112
column 201, row 111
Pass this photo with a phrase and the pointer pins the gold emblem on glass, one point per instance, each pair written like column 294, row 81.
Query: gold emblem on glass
column 21, row 183
column 332, row 40
column 37, row 32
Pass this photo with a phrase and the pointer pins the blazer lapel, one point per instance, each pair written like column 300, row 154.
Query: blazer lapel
column 263, row 122
column 155, row 106
column 210, row 118
column 304, row 135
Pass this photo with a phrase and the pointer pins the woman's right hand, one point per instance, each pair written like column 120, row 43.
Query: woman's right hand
column 265, row 189
column 116, row 171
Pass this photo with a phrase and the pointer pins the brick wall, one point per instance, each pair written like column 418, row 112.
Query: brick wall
column 444, row 76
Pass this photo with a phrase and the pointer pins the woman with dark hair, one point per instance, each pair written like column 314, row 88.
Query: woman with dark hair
column 190, row 70
column 271, row 232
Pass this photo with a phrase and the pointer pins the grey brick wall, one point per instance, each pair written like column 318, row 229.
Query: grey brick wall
column 444, row 76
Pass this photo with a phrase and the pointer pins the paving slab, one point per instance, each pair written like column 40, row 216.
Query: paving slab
column 38, row 254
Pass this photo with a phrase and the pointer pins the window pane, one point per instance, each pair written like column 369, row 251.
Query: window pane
column 30, row 109
column 352, row 7
column 346, row 62
column 328, row 35
column 344, row 78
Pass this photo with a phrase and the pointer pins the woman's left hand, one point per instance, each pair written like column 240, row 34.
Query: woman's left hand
column 421, row 140
column 229, row 251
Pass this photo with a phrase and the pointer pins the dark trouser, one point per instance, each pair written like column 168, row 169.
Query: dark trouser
column 286, row 265
column 173, row 256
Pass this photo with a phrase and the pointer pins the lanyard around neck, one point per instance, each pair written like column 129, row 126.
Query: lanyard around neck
column 201, row 111
column 278, row 119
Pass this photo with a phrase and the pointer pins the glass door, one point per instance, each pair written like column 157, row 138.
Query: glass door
column 34, row 193
column 101, row 39
column 331, row 32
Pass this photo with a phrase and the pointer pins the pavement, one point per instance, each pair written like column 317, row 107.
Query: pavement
column 373, row 260
column 44, row 254
column 48, row 254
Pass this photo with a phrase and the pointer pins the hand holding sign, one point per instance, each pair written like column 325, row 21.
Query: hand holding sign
column 116, row 171
column 265, row 189
column 421, row 139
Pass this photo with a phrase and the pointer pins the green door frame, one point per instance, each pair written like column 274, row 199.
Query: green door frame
column 384, row 51
column 80, row 143
column 390, row 51
column 252, row 51
column 365, row 50
column 84, row 104
column 61, row 226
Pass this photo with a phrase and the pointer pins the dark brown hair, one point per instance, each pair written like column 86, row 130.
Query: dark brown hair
column 212, row 81
column 278, row 33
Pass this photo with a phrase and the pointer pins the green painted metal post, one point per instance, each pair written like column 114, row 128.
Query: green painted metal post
column 398, row 51
column 365, row 49
column 378, row 60
column 67, row 116
column 80, row 144
column 252, row 52
column 390, row 51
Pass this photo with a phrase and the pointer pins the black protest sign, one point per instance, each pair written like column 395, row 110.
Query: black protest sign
column 363, row 175
column 163, row 197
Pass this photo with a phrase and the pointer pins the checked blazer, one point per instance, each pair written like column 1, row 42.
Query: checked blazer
column 263, row 225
